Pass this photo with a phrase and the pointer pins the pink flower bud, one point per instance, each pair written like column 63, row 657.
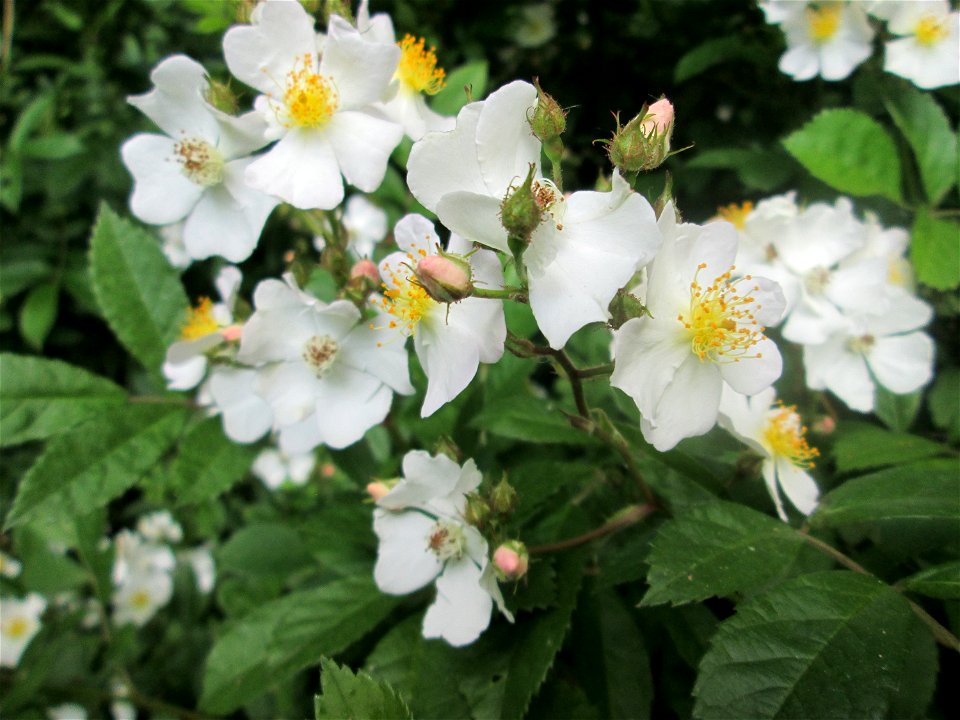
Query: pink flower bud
column 377, row 489
column 232, row 333
column 446, row 277
column 659, row 117
column 512, row 560
column 365, row 268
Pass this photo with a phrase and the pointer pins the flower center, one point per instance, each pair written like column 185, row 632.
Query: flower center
column 817, row 280
column 930, row 30
column 200, row 161
column 319, row 353
column 861, row 345
column 447, row 540
column 407, row 300
column 823, row 22
column 311, row 98
column 200, row 322
column 720, row 320
column 549, row 199
column 140, row 600
column 784, row 435
column 418, row 67
column 736, row 214
column 17, row 628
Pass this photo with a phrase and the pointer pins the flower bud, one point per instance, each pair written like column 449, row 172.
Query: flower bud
column 221, row 97
column 232, row 333
column 365, row 269
column 377, row 489
column 548, row 120
column 520, row 212
column 503, row 498
column 511, row 560
column 644, row 142
column 446, row 277
column 625, row 306
column 659, row 119
column 477, row 510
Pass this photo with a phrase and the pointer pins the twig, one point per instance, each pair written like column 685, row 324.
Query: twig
column 630, row 517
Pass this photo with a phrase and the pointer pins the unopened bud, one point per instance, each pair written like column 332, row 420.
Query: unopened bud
column 365, row 269
column 825, row 425
column 644, row 142
column 511, row 560
column 446, row 446
column 548, row 120
column 659, row 119
column 232, row 332
column 625, row 306
column 447, row 278
column 520, row 212
column 379, row 488
column 221, row 97
column 477, row 510
column 503, row 498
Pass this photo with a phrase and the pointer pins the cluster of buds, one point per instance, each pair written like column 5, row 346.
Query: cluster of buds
column 644, row 142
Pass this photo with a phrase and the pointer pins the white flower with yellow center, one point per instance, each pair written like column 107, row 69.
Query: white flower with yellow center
column 827, row 38
column 450, row 340
column 140, row 596
column 928, row 46
column 319, row 106
column 417, row 75
column 19, row 622
column 423, row 537
column 195, row 173
column 705, row 330
column 325, row 375
column 777, row 433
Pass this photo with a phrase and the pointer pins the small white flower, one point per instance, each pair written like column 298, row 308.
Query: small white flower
column 705, row 330
column 195, row 172
column 929, row 44
column 10, row 567
column 201, row 562
column 140, row 596
column 776, row 433
column 276, row 468
column 450, row 340
column 19, row 622
column 317, row 105
column 423, row 537
column 160, row 526
column 828, row 39
column 135, row 555
column 366, row 225
column 67, row 711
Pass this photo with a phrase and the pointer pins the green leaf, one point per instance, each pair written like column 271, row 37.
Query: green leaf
column 927, row 128
column 944, row 402
column 263, row 549
column 711, row 53
column 849, row 151
column 898, row 412
column 359, row 696
column 530, row 420
column 453, row 97
column 940, row 581
column 57, row 146
column 867, row 446
column 286, row 635
column 40, row 398
column 208, row 463
column 718, row 549
column 934, row 251
column 38, row 313
column 137, row 290
column 85, row 469
column 761, row 169
column 922, row 492
column 834, row 644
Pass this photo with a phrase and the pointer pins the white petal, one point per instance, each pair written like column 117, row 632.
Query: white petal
column 161, row 193
column 246, row 416
column 844, row 373
column 374, row 353
column 414, row 232
column 240, row 136
column 362, row 144
column 404, row 560
column 427, row 478
column 302, row 169
column 450, row 360
column 769, row 470
column 361, row 70
column 185, row 375
column 647, row 354
column 902, row 363
column 475, row 217
column 798, row 486
column 506, row 146
column 462, row 608
column 349, row 403
column 688, row 406
column 751, row 375
column 176, row 103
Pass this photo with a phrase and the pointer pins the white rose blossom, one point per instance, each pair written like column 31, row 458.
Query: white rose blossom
column 19, row 622
column 318, row 106
column 928, row 43
column 195, row 173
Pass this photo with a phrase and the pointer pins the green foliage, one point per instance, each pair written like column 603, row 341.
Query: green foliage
column 470, row 78
column 867, row 446
column 713, row 52
column 208, row 463
column 832, row 644
column 38, row 313
column 41, row 398
column 934, row 251
column 940, row 581
column 849, row 151
column 945, row 402
column 345, row 695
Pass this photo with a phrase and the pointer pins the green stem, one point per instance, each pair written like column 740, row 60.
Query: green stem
column 619, row 444
column 595, row 371
column 631, row 516
column 509, row 293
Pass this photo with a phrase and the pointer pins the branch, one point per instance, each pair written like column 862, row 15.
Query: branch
column 631, row 516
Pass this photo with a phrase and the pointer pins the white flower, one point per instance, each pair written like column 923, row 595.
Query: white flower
column 135, row 555
column 536, row 27
column 326, row 376
column 451, row 340
column 67, row 711
column 417, row 74
column 705, row 330
column 586, row 248
column 123, row 710
column 423, row 537
column 776, row 433
column 463, row 175
column 885, row 348
column 19, row 622
column 196, row 172
column 317, row 105
column 140, row 596
column 208, row 325
column 160, row 526
column 823, row 38
column 366, row 225
column 201, row 562
column 926, row 52
column 10, row 567
column 276, row 468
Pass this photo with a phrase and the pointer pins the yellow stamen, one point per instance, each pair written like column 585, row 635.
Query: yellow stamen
column 736, row 214
column 140, row 599
column 199, row 161
column 418, row 67
column 311, row 98
column 784, row 436
column 200, row 321
column 930, row 30
column 823, row 22
column 720, row 320
column 16, row 628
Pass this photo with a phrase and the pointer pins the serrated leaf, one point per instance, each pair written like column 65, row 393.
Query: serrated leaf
column 286, row 635
column 718, row 549
column 934, row 251
column 40, row 398
column 867, row 446
column 926, row 491
column 85, row 469
column 927, row 128
column 940, row 581
column 834, row 644
column 137, row 290
column 357, row 697
column 453, row 97
column 208, row 463
column 38, row 313
column 849, row 151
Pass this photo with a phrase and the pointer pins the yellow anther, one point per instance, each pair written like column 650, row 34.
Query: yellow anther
column 200, row 321
column 785, row 436
column 310, row 98
column 823, row 22
column 418, row 67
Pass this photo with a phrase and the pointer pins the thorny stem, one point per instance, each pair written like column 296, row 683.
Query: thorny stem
column 940, row 633
column 632, row 516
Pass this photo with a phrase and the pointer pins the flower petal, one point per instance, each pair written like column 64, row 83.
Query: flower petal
column 475, row 217
column 301, row 168
column 404, row 560
column 361, row 69
column 505, row 144
column 362, row 144
column 462, row 608
column 176, row 103
column 161, row 193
